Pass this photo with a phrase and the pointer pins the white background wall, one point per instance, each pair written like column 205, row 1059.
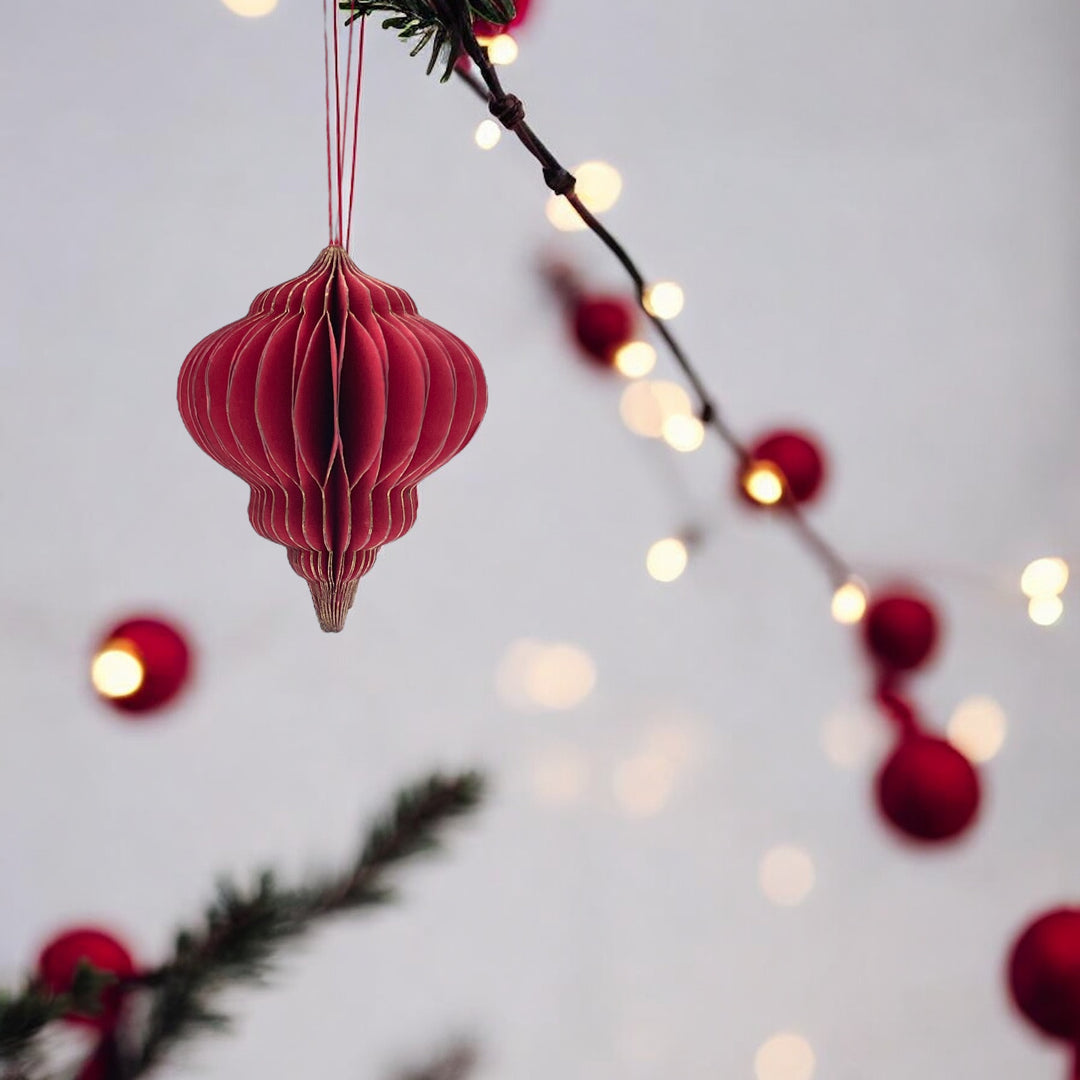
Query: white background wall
column 873, row 209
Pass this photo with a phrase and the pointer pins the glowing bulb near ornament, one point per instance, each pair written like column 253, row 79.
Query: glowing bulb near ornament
column 1046, row 610
column 598, row 185
column 849, row 603
column 635, row 360
column 684, row 433
column 488, row 134
column 764, row 483
column 784, row 1057
column 251, row 9
column 664, row 300
column 502, row 50
column 667, row 559
column 117, row 672
column 1044, row 577
column 977, row 729
column 647, row 405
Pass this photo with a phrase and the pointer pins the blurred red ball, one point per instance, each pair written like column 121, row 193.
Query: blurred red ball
column 100, row 1065
column 927, row 789
column 60, row 960
column 602, row 325
column 1044, row 973
column 483, row 28
column 798, row 458
column 162, row 652
column 901, row 631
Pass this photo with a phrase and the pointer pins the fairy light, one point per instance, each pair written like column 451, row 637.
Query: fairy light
column 1044, row 577
column 251, row 9
column 488, row 134
column 785, row 1056
column 786, row 875
column 764, row 483
column 1045, row 610
column 667, row 560
column 597, row 184
column 635, row 359
column 117, row 671
column 502, row 50
column 646, row 406
column 977, row 728
column 664, row 299
column 683, row 433
column 849, row 603
column 643, row 784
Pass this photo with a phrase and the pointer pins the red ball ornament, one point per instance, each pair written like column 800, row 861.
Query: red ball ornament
column 927, row 789
column 901, row 631
column 60, row 959
column 1044, row 973
column 141, row 665
column 332, row 398
column 483, row 28
column 797, row 457
column 602, row 325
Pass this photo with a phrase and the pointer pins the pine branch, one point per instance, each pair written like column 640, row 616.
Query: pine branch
column 458, row 1062
column 244, row 928
column 437, row 23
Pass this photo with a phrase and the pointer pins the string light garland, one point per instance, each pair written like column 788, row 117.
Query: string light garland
column 142, row 664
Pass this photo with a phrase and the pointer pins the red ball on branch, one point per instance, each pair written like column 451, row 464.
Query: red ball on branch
column 61, row 958
column 603, row 325
column 483, row 28
column 1044, row 973
column 141, row 665
column 900, row 631
column 797, row 457
column 927, row 789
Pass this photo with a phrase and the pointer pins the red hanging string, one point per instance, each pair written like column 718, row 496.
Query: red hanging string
column 356, row 128
column 337, row 110
column 329, row 150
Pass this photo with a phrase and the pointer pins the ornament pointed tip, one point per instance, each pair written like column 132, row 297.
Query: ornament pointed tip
column 332, row 604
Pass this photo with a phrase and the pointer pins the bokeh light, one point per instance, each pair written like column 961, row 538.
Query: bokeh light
column 854, row 738
column 764, row 483
column 785, row 1056
column 598, row 186
column 488, row 134
column 666, row 559
column 560, row 776
column 635, row 359
column 647, row 405
column 545, row 675
column 642, row 784
column 664, row 299
column 786, row 875
column 683, row 433
column 251, row 9
column 849, row 603
column 502, row 50
column 977, row 728
column 1044, row 577
column 1045, row 610
column 116, row 671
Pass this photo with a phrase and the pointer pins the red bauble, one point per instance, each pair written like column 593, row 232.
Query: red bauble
column 60, row 960
column 1044, row 973
column 332, row 398
column 602, row 325
column 162, row 650
column 900, row 630
column 927, row 789
column 798, row 457
column 483, row 28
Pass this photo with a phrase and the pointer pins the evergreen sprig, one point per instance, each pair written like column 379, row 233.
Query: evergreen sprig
column 243, row 928
column 438, row 23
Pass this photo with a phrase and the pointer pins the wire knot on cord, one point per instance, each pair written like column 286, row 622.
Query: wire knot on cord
column 508, row 110
column 559, row 180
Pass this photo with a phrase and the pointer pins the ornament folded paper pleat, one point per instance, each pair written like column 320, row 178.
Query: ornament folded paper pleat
column 332, row 398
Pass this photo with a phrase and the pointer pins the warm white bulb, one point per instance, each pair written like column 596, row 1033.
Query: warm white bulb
column 1044, row 577
column 683, row 433
column 764, row 483
column 977, row 728
column 786, row 875
column 849, row 603
column 665, row 299
column 646, row 406
column 116, row 671
column 502, row 50
column 251, row 9
column 667, row 559
column 488, row 134
column 598, row 185
column 635, row 359
column 1045, row 610
column 785, row 1057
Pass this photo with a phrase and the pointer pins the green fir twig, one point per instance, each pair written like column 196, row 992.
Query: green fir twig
column 244, row 928
column 456, row 1062
column 432, row 22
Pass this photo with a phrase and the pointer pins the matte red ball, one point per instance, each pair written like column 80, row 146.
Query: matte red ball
column 901, row 631
column 798, row 457
column 602, row 325
column 483, row 28
column 1044, row 973
column 60, row 960
column 928, row 790
column 162, row 649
